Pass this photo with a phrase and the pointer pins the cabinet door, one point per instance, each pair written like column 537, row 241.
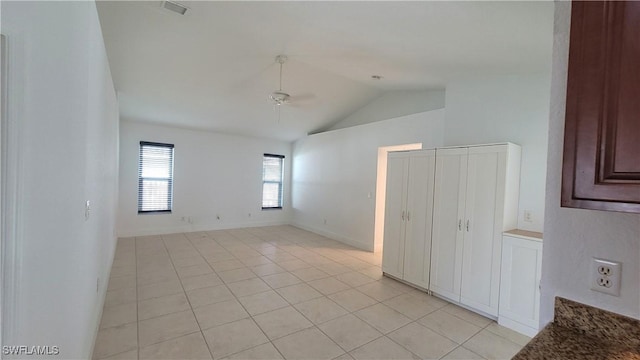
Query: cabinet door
column 483, row 228
column 394, row 215
column 448, row 213
column 417, row 249
column 519, row 281
column 601, row 166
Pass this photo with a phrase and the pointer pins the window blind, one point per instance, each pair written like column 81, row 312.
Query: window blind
column 155, row 177
column 272, row 173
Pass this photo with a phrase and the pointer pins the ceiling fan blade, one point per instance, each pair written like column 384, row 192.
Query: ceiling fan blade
column 253, row 78
column 302, row 98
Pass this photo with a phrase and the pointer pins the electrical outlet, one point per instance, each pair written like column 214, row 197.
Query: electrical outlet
column 528, row 216
column 87, row 210
column 605, row 276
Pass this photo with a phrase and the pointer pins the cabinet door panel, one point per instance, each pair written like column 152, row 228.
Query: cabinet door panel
column 519, row 293
column 482, row 238
column 419, row 218
column 394, row 225
column 601, row 166
column 448, row 212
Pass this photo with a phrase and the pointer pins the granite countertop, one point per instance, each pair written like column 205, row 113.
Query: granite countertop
column 580, row 331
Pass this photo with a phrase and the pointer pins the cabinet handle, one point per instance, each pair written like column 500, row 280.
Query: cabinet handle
column 459, row 224
column 467, row 225
column 402, row 215
column 408, row 215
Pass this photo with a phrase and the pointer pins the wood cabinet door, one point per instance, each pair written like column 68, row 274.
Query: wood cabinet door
column 448, row 214
column 601, row 166
column 394, row 215
column 417, row 248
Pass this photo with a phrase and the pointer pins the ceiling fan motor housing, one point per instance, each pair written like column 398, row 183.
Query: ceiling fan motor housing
column 279, row 97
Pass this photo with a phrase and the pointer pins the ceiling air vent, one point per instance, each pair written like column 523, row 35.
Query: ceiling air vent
column 175, row 7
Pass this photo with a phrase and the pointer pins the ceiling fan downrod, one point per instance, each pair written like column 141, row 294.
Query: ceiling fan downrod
column 279, row 97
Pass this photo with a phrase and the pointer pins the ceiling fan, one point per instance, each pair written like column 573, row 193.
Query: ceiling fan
column 280, row 97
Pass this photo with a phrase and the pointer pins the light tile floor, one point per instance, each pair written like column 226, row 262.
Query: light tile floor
column 273, row 293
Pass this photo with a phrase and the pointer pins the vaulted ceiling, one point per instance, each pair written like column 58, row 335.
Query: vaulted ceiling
column 214, row 68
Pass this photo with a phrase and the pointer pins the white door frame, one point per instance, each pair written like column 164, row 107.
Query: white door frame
column 2, row 182
column 10, row 170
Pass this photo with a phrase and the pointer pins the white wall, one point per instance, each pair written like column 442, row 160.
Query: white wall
column 214, row 174
column 572, row 236
column 334, row 174
column 393, row 104
column 506, row 108
column 63, row 115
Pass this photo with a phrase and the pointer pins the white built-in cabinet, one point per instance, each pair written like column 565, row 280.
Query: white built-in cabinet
column 446, row 210
column 408, row 215
column 475, row 200
column 520, row 281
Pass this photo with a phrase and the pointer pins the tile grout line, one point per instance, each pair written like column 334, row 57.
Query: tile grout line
column 185, row 293
column 402, row 346
column 283, row 244
column 460, row 346
column 258, row 325
column 292, row 306
column 250, row 317
column 314, row 325
column 223, row 283
column 135, row 278
column 170, row 260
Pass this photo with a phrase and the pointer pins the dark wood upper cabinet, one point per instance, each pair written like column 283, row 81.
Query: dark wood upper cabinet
column 601, row 166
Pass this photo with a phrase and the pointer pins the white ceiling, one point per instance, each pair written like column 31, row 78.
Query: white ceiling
column 214, row 68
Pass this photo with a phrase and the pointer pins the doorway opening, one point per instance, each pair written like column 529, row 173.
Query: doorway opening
column 381, row 190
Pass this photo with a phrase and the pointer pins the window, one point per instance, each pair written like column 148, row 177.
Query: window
column 155, row 178
column 272, row 170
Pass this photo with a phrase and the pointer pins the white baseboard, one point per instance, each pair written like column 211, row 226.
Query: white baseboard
column 453, row 301
column 516, row 326
column 194, row 228
column 225, row 226
column 102, row 296
column 334, row 236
